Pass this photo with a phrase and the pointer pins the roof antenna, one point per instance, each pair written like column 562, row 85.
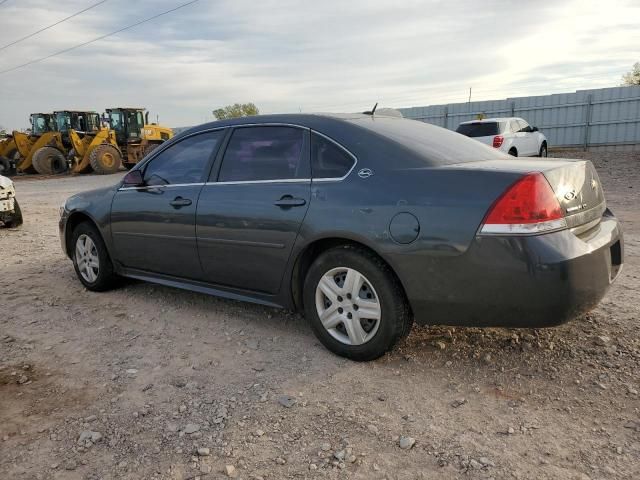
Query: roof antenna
column 373, row 110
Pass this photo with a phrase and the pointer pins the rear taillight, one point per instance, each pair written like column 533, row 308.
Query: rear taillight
column 497, row 141
column 528, row 206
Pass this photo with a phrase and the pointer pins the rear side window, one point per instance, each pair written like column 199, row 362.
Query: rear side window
column 328, row 160
column 264, row 153
column 182, row 162
column 479, row 129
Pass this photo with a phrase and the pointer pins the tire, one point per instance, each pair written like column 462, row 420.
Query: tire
column 543, row 151
column 150, row 148
column 378, row 285
column 105, row 159
column 513, row 152
column 49, row 161
column 14, row 220
column 102, row 276
column 5, row 167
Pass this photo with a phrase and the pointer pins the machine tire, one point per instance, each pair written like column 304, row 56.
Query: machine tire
column 150, row 148
column 105, row 159
column 49, row 161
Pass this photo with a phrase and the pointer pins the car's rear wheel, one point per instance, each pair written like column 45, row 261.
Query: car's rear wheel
column 543, row 150
column 91, row 259
column 513, row 152
column 354, row 303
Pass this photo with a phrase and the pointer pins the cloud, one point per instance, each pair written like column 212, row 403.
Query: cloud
column 289, row 55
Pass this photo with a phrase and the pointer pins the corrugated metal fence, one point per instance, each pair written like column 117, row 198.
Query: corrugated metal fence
column 602, row 118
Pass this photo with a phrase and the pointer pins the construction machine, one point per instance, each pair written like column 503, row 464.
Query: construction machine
column 67, row 138
column 8, row 154
column 136, row 137
column 50, row 156
column 43, row 139
column 97, row 151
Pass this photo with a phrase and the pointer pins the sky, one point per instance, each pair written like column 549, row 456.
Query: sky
column 292, row 56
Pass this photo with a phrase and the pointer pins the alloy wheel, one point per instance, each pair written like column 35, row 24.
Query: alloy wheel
column 348, row 306
column 87, row 258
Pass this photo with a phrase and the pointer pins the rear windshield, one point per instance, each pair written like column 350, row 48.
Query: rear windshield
column 433, row 145
column 479, row 129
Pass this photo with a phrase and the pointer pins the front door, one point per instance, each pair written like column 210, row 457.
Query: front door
column 153, row 226
column 250, row 212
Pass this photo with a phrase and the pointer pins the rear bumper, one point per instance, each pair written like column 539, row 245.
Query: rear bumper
column 532, row 281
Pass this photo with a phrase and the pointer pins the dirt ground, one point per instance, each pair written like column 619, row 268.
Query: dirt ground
column 148, row 382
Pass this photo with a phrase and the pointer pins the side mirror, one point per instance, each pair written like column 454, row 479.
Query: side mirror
column 133, row 179
column 534, row 129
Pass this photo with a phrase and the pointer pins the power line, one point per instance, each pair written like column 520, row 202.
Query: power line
column 2, row 72
column 50, row 26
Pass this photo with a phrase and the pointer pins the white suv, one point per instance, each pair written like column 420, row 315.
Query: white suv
column 511, row 135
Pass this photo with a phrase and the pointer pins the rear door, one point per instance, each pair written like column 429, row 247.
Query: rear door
column 154, row 226
column 250, row 211
column 528, row 139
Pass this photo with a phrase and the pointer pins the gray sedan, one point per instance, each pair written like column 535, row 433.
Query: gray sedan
column 364, row 222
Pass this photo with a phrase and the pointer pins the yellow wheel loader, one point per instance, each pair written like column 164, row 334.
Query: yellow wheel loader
column 136, row 137
column 97, row 151
column 42, row 146
column 53, row 157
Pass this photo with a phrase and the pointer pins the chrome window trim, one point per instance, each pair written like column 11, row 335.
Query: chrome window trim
column 269, row 124
column 250, row 182
column 170, row 185
column 343, row 148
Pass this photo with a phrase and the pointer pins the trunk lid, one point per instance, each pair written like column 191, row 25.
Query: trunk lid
column 485, row 140
column 575, row 183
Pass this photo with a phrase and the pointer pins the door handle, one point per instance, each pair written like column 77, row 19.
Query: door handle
column 180, row 202
column 288, row 201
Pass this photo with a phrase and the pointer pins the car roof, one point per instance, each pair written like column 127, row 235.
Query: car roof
column 491, row 120
column 384, row 140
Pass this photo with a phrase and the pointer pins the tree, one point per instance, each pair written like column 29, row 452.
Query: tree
column 236, row 110
column 632, row 77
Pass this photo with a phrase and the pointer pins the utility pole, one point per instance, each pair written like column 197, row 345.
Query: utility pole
column 470, row 98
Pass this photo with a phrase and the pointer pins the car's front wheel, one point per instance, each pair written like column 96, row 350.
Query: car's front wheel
column 91, row 259
column 354, row 303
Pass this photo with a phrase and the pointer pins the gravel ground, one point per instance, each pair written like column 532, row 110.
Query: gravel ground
column 152, row 382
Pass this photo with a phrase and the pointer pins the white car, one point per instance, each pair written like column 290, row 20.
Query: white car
column 10, row 214
column 511, row 135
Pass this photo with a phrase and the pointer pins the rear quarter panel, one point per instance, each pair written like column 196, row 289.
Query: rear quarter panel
column 449, row 204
